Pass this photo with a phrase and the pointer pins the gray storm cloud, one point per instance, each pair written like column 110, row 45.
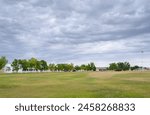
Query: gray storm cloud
column 77, row 31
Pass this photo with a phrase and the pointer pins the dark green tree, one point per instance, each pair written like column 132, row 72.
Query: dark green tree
column 43, row 65
column 120, row 66
column 69, row 67
column 24, row 64
column 135, row 67
column 126, row 66
column 3, row 62
column 113, row 66
column 88, row 67
column 83, row 67
column 60, row 67
column 77, row 68
column 92, row 66
column 52, row 67
column 33, row 64
column 16, row 65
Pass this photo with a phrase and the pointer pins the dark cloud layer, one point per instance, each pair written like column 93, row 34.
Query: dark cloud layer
column 76, row 31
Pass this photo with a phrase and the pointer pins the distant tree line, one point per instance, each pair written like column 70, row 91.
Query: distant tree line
column 34, row 64
column 41, row 65
column 29, row 65
column 122, row 66
column 70, row 67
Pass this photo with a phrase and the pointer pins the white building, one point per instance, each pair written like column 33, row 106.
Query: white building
column 101, row 68
column 8, row 68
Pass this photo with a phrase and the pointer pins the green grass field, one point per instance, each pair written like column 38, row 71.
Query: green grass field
column 74, row 85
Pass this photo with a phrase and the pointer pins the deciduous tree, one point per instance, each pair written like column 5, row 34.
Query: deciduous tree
column 3, row 62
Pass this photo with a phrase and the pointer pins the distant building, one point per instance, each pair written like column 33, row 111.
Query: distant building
column 101, row 68
column 8, row 68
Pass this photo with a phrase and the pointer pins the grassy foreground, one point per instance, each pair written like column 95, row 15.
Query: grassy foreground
column 84, row 84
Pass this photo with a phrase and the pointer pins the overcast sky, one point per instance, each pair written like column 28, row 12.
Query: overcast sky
column 77, row 31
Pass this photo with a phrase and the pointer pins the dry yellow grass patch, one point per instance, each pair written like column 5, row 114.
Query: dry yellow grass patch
column 105, row 75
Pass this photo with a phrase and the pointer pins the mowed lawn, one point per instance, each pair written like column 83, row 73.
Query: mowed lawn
column 75, row 84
